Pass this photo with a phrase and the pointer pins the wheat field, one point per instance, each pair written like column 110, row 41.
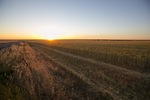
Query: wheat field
column 75, row 70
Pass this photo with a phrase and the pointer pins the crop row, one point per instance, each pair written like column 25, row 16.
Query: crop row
column 130, row 55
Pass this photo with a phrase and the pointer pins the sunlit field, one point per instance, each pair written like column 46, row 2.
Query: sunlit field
column 133, row 55
column 119, row 69
column 75, row 69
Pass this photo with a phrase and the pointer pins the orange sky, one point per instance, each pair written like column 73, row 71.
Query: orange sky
column 74, row 19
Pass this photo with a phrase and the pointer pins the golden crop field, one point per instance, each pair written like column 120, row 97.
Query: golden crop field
column 134, row 55
column 74, row 70
column 115, row 69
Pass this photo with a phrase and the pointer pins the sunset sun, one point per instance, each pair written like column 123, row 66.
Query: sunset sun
column 48, row 33
column 50, row 37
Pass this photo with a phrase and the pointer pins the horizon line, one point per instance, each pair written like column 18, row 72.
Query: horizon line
column 86, row 39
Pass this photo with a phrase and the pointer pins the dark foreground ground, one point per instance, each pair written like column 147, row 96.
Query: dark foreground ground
column 32, row 70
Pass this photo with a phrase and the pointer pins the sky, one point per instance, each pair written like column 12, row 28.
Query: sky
column 74, row 19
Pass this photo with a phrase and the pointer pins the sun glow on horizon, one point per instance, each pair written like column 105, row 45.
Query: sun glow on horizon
column 50, row 36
